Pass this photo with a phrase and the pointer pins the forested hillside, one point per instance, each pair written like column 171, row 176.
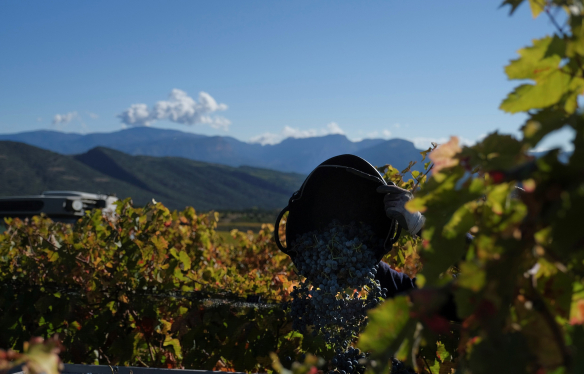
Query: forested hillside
column 177, row 182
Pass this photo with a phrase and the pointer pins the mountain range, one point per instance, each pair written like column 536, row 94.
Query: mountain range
column 177, row 182
column 300, row 155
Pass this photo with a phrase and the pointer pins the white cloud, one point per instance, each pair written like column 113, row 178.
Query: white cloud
column 383, row 134
column 93, row 115
column 179, row 108
column 136, row 115
column 63, row 119
column 39, row 119
column 290, row 132
column 334, row 128
column 216, row 122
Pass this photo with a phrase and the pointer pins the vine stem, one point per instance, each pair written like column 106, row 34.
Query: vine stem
column 419, row 179
column 428, row 366
column 553, row 19
column 105, row 356
column 147, row 339
column 560, row 30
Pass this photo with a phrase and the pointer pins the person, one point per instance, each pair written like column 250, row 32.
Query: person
column 393, row 281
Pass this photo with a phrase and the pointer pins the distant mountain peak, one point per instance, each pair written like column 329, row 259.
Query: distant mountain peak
column 299, row 155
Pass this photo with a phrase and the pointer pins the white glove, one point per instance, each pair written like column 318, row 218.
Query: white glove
column 395, row 202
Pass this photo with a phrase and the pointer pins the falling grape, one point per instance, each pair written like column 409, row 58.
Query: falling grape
column 339, row 266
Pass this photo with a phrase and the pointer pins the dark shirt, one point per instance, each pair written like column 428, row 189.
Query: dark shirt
column 394, row 281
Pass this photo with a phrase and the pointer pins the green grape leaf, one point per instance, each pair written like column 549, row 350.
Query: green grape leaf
column 471, row 276
column 548, row 91
column 541, row 124
column 536, row 61
column 495, row 152
column 389, row 330
column 557, row 47
column 461, row 221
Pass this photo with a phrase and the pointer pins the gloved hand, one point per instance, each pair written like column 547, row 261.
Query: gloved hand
column 395, row 202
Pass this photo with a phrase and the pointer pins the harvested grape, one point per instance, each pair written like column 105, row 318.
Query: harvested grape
column 339, row 267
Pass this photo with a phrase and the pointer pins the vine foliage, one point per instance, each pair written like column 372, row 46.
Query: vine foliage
column 518, row 285
column 149, row 288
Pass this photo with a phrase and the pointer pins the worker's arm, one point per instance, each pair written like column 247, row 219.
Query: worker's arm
column 392, row 280
column 395, row 200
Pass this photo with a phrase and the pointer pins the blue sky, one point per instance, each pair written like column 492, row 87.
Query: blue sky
column 419, row 70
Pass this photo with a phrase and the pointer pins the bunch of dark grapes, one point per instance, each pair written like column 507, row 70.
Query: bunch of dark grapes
column 348, row 361
column 339, row 266
column 398, row 367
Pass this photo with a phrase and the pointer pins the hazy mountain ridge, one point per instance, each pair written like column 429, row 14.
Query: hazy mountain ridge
column 177, row 182
column 300, row 155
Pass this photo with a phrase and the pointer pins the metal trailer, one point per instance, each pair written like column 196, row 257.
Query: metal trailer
column 62, row 206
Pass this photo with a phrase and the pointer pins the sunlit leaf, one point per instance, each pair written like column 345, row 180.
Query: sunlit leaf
column 548, row 91
column 443, row 156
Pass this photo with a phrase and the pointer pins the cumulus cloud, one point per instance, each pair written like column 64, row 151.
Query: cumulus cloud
column 93, row 115
column 291, row 132
column 179, row 108
column 136, row 115
column 63, row 119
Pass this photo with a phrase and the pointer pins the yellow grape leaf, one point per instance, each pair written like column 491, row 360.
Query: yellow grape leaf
column 53, row 256
column 169, row 341
column 537, row 6
column 185, row 259
column 166, row 326
column 42, row 357
column 159, row 242
column 416, row 205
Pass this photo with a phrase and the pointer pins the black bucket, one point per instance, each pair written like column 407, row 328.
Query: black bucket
column 342, row 188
